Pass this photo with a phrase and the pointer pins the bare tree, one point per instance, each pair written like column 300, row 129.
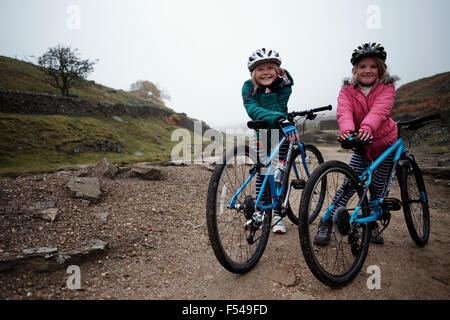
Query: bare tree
column 63, row 65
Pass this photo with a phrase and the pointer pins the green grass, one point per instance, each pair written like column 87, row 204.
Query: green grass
column 32, row 144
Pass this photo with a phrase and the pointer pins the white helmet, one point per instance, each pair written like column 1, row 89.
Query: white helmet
column 263, row 55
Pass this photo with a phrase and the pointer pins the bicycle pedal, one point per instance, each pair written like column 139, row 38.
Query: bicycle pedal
column 298, row 184
column 392, row 204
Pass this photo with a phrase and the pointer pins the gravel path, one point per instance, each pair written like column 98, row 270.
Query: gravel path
column 159, row 247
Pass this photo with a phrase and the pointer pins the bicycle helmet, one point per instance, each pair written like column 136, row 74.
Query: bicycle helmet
column 368, row 50
column 263, row 55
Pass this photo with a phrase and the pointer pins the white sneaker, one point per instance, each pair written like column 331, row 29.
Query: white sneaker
column 278, row 225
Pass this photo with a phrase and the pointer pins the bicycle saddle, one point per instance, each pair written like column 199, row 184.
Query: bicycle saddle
column 258, row 124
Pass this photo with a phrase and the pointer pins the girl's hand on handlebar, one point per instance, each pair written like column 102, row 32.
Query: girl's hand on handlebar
column 289, row 130
column 345, row 136
column 364, row 135
column 294, row 138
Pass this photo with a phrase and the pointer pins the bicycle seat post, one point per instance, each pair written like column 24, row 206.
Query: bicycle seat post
column 258, row 161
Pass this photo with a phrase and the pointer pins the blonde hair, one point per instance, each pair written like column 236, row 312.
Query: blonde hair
column 278, row 70
column 382, row 68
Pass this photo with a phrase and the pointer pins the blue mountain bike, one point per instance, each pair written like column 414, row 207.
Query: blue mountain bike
column 337, row 262
column 239, row 219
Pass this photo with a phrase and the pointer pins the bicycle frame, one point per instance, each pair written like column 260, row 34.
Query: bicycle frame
column 269, row 177
column 366, row 178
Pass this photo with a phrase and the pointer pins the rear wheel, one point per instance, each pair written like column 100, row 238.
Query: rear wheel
column 237, row 249
column 297, row 177
column 337, row 260
column 415, row 203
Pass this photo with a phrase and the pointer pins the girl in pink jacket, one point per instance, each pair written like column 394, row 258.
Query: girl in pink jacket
column 364, row 109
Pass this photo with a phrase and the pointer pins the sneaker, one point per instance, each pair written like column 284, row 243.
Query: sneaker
column 323, row 234
column 375, row 236
column 278, row 225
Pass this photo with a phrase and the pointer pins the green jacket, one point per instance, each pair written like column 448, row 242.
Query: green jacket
column 266, row 106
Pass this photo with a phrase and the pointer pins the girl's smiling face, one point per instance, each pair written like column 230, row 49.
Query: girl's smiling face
column 265, row 74
column 367, row 71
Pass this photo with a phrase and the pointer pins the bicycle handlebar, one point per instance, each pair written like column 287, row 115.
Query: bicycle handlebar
column 309, row 112
column 310, row 115
column 418, row 122
column 354, row 142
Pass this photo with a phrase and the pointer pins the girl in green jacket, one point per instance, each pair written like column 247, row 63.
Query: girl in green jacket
column 265, row 97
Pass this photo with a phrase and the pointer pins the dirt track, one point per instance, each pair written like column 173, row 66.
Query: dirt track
column 159, row 247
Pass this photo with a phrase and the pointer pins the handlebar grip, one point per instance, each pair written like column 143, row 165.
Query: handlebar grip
column 329, row 107
column 354, row 142
column 431, row 117
column 418, row 122
column 312, row 111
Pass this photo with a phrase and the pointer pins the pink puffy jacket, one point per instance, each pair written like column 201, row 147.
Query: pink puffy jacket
column 372, row 113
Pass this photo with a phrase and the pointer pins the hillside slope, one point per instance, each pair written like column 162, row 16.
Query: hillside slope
column 31, row 144
column 41, row 131
column 423, row 96
column 24, row 76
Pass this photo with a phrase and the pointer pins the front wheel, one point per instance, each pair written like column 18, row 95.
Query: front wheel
column 238, row 250
column 415, row 202
column 297, row 177
column 336, row 254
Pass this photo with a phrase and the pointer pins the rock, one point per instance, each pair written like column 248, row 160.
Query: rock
column 301, row 296
column 41, row 206
column 118, row 119
column 444, row 162
column 147, row 171
column 284, row 275
column 436, row 204
column 124, row 169
column 103, row 145
column 44, row 210
column 437, row 172
column 49, row 214
column 103, row 216
column 103, row 169
column 86, row 188
column 139, row 154
column 49, row 258
column 176, row 163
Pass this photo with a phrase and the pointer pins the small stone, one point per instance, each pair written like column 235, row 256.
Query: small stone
column 103, row 216
column 301, row 296
column 284, row 275
column 48, row 214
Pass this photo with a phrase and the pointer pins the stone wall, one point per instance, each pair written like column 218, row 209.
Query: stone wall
column 42, row 103
column 328, row 125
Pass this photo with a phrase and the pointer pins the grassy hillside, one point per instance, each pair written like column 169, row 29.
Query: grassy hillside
column 424, row 96
column 24, row 76
column 32, row 144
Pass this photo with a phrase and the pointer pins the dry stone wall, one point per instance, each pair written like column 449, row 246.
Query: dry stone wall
column 42, row 103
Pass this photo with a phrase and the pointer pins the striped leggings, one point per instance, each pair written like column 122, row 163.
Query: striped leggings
column 380, row 177
column 260, row 178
